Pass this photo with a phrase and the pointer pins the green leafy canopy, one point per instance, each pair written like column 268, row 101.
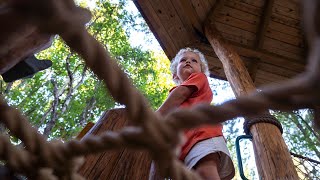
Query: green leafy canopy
column 59, row 101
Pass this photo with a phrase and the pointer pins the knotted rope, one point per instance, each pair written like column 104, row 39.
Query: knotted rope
column 156, row 134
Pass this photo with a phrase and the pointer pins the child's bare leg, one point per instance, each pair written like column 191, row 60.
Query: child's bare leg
column 207, row 167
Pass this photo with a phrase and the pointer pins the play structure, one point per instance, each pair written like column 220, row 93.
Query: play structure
column 135, row 134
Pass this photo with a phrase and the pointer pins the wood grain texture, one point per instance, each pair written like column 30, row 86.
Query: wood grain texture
column 271, row 33
column 18, row 39
column 123, row 164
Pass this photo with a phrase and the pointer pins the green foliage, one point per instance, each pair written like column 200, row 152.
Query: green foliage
column 62, row 99
column 299, row 134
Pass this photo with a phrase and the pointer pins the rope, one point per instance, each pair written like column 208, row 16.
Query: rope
column 305, row 158
column 159, row 135
column 264, row 118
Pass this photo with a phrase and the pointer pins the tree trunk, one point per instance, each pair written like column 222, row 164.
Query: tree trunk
column 272, row 156
column 122, row 164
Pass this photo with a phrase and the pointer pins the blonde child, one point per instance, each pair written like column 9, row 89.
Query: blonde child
column 205, row 148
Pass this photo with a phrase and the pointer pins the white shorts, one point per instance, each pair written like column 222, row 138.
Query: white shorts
column 209, row 146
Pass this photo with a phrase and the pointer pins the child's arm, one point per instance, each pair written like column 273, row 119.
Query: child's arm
column 175, row 98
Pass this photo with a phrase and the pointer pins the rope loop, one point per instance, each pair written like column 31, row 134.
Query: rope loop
column 263, row 118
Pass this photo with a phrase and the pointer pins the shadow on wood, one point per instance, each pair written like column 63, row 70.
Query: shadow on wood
column 118, row 164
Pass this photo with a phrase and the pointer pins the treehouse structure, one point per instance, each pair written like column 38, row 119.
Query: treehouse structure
column 250, row 43
column 247, row 42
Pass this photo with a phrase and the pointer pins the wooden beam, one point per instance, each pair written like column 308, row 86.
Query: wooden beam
column 253, row 68
column 31, row 44
column 264, row 23
column 159, row 31
column 272, row 156
column 262, row 28
column 240, row 81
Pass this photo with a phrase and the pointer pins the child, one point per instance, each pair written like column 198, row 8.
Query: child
column 205, row 148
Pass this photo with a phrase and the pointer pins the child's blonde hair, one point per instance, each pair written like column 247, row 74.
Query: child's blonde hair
column 176, row 59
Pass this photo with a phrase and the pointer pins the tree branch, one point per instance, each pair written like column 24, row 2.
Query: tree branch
column 305, row 134
column 90, row 104
column 309, row 127
column 55, row 102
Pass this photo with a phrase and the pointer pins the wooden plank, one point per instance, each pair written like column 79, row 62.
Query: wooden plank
column 283, row 49
column 270, row 58
column 296, row 6
column 283, row 46
column 264, row 56
column 216, row 67
column 245, row 7
column 235, row 22
column 270, row 76
column 263, row 82
column 295, row 32
column 256, row 3
column 295, row 57
column 235, row 34
column 171, row 21
column 188, row 15
column 238, row 39
column 277, row 70
column 235, row 13
column 286, row 21
column 286, row 38
column 156, row 27
column 290, row 12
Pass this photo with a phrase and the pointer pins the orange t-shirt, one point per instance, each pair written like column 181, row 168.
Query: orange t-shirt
column 203, row 94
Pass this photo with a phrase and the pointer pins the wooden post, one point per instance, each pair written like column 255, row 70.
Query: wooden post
column 271, row 153
column 124, row 164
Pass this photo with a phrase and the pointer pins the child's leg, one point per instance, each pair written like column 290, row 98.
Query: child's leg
column 207, row 167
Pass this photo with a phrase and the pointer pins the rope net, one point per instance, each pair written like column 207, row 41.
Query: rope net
column 51, row 160
column 307, row 168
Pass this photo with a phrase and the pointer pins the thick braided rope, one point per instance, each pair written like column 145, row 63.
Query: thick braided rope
column 297, row 93
column 263, row 118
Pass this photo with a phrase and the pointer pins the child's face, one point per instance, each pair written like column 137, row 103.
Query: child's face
column 189, row 63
